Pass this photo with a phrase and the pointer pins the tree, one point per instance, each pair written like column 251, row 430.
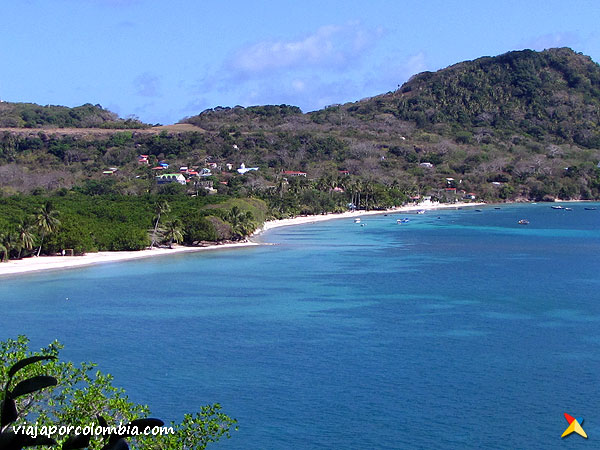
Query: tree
column 162, row 207
column 242, row 223
column 172, row 232
column 3, row 250
column 46, row 221
column 25, row 236
column 73, row 395
column 9, row 243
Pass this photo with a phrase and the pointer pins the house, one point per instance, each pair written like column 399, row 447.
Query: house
column 426, row 164
column 294, row 173
column 344, row 172
column 143, row 159
column 337, row 189
column 183, row 169
column 470, row 196
column 170, row 178
column 243, row 169
column 212, row 165
column 205, row 172
column 229, row 166
column 163, row 164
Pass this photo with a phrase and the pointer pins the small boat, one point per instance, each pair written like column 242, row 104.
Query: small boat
column 557, row 207
column 357, row 220
column 405, row 220
column 496, row 208
column 523, row 222
column 590, row 208
column 568, row 209
column 478, row 210
column 421, row 211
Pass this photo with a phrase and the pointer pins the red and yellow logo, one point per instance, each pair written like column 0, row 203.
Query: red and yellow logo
column 574, row 426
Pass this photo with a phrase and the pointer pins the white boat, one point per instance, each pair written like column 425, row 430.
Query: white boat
column 357, row 220
column 421, row 211
column 523, row 222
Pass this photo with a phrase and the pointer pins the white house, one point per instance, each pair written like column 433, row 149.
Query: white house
column 170, row 178
column 243, row 169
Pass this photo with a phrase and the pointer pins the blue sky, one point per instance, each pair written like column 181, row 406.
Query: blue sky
column 165, row 60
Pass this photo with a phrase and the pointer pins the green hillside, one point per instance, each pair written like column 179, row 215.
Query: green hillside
column 519, row 126
column 552, row 95
column 30, row 115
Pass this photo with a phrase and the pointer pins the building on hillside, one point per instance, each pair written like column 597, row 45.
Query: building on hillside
column 426, row 164
column 143, row 159
column 294, row 173
column 171, row 178
column 243, row 169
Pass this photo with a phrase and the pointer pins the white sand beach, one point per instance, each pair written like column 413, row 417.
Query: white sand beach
column 36, row 264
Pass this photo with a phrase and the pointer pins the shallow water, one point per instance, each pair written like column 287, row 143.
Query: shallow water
column 460, row 329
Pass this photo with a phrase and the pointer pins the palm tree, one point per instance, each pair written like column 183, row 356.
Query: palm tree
column 3, row 249
column 47, row 222
column 162, row 207
column 173, row 232
column 25, row 236
column 9, row 243
column 241, row 222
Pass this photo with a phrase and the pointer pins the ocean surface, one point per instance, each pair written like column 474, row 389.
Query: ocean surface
column 458, row 329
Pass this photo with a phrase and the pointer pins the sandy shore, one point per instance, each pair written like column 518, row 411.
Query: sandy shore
column 29, row 265
column 313, row 219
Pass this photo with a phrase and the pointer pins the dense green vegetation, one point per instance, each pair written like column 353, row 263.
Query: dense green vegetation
column 29, row 115
column 519, row 126
column 51, row 393
column 83, row 223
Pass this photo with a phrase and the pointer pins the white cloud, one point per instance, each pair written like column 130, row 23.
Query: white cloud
column 333, row 46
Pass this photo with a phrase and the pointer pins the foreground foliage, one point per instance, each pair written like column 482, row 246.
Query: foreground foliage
column 65, row 394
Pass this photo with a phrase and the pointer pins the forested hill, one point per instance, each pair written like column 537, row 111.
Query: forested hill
column 551, row 95
column 522, row 125
column 30, row 115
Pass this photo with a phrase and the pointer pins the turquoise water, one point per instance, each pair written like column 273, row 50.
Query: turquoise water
column 460, row 329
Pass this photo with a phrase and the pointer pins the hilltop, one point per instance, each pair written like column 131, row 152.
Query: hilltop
column 552, row 96
column 30, row 115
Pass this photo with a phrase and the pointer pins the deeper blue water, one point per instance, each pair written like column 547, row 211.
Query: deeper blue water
column 460, row 329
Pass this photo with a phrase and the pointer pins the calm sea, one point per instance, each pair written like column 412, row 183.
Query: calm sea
column 458, row 329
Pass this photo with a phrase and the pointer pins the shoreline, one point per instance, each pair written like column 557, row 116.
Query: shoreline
column 45, row 263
